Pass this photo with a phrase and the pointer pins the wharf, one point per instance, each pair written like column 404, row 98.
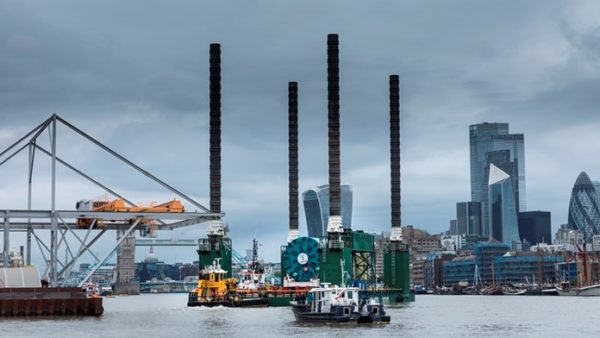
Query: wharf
column 28, row 302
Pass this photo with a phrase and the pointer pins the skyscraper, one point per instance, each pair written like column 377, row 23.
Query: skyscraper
column 584, row 212
column 534, row 226
column 316, row 209
column 485, row 139
column 596, row 185
column 468, row 218
column 503, row 212
column 453, row 228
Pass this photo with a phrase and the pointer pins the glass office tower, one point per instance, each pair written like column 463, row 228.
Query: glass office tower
column 584, row 212
column 503, row 211
column 316, row 209
column 468, row 218
column 535, row 227
column 486, row 138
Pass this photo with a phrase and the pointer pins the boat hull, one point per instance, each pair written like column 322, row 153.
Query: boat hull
column 280, row 300
column 243, row 302
column 586, row 291
column 338, row 315
column 302, row 313
column 550, row 292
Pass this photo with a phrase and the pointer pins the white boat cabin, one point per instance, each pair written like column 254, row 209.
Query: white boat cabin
column 322, row 299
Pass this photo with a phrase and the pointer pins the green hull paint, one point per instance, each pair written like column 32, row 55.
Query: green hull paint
column 212, row 248
column 280, row 300
column 396, row 274
column 331, row 269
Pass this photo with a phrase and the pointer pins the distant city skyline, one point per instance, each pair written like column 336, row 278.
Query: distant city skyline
column 138, row 81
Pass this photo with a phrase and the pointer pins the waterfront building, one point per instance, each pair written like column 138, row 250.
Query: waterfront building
column 468, row 242
column 486, row 253
column 459, row 269
column 417, row 267
column 596, row 243
column 489, row 137
column 503, row 214
column 495, row 262
column 421, row 241
column 535, row 227
column 562, row 234
column 569, row 239
column 316, row 209
column 567, row 271
column 468, row 218
column 433, row 271
column 584, row 210
column 448, row 243
column 516, row 268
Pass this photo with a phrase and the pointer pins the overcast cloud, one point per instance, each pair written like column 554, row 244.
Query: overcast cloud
column 135, row 75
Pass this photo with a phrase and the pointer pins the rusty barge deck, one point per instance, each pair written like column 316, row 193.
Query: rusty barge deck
column 32, row 302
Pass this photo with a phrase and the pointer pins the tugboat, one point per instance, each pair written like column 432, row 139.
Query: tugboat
column 338, row 305
column 252, row 278
column 216, row 290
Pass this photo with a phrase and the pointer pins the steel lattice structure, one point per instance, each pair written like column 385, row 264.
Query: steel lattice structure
column 63, row 222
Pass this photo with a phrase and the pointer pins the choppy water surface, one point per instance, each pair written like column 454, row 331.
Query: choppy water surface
column 430, row 316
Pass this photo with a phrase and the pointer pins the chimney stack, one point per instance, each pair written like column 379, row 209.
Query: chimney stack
column 215, row 128
column 293, row 158
column 396, row 232
column 333, row 98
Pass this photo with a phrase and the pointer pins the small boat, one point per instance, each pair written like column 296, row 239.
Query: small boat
column 550, row 291
column 514, row 292
column 338, row 305
column 492, row 291
column 588, row 285
column 587, row 291
column 91, row 290
column 106, row 291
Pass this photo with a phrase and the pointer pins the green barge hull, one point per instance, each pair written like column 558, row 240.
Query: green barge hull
column 280, row 300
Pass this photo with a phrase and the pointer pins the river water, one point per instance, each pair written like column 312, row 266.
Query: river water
column 166, row 315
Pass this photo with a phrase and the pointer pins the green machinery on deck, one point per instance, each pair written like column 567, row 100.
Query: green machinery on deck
column 344, row 258
column 212, row 248
column 352, row 252
column 396, row 271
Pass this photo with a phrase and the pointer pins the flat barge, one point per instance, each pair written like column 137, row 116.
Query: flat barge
column 228, row 302
column 33, row 302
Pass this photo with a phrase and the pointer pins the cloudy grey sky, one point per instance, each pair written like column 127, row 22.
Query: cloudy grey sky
column 135, row 75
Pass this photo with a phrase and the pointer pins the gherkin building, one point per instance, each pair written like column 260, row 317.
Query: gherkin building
column 584, row 213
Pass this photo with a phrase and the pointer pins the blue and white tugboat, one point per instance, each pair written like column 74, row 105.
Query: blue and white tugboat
column 338, row 305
